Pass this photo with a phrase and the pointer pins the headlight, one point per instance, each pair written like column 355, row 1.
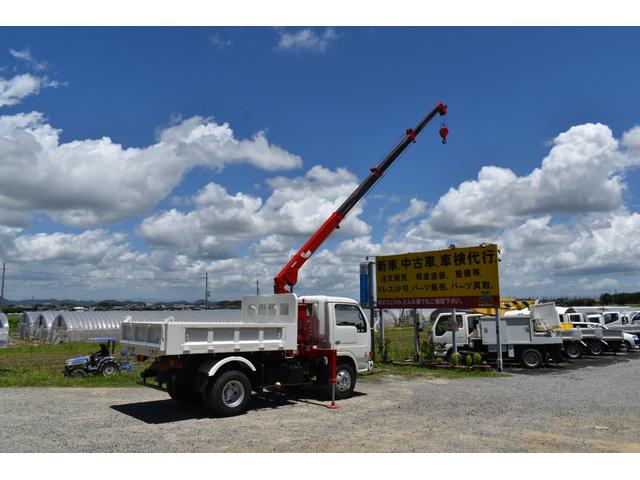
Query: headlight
column 636, row 338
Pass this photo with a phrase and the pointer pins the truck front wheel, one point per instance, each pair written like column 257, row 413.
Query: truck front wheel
column 531, row 358
column 230, row 394
column 345, row 381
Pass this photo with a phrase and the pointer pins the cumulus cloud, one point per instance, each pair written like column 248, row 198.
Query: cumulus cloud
column 92, row 182
column 582, row 173
column 221, row 222
column 306, row 39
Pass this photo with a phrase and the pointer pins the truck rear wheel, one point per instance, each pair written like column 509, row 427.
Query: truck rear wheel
column 573, row 350
column 531, row 358
column 229, row 394
column 595, row 348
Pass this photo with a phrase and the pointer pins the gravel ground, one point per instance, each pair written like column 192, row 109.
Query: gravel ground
column 589, row 406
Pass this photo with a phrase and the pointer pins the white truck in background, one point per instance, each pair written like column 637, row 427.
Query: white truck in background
column 603, row 331
column 520, row 339
column 222, row 360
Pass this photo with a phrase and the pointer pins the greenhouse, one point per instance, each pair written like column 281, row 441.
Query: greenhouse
column 43, row 329
column 4, row 331
column 80, row 326
column 28, row 324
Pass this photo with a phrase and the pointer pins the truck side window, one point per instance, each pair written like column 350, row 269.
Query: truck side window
column 349, row 315
column 610, row 317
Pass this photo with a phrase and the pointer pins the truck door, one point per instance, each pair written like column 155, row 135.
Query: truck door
column 351, row 333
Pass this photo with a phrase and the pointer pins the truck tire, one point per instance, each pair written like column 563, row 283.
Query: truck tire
column 624, row 347
column 229, row 394
column 108, row 369
column 531, row 358
column 345, row 381
column 595, row 348
column 573, row 350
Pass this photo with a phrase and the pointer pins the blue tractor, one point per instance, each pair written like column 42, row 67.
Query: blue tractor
column 103, row 362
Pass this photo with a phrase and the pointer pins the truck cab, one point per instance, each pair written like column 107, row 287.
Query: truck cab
column 340, row 323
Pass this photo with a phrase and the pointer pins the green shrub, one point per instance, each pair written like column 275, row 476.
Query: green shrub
column 477, row 358
column 439, row 361
column 455, row 359
column 468, row 361
column 427, row 348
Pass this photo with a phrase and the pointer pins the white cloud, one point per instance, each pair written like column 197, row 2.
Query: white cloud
column 15, row 89
column 219, row 42
column 582, row 173
column 92, row 182
column 306, row 39
column 416, row 208
column 221, row 222
column 25, row 56
column 92, row 246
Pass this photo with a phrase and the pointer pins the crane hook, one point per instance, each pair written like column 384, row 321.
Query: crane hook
column 444, row 131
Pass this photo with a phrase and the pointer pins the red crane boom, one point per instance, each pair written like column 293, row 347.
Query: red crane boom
column 288, row 276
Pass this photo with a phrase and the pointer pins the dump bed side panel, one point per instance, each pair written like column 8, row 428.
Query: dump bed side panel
column 265, row 323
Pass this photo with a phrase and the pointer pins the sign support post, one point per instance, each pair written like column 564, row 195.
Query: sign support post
column 498, row 341
column 371, row 309
column 454, row 330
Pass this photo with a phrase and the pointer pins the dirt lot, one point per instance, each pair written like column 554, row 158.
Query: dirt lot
column 589, row 406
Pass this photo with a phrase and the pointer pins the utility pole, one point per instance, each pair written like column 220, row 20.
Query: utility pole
column 4, row 266
column 257, row 287
column 206, row 291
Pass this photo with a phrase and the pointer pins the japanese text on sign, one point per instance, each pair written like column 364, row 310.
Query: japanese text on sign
column 455, row 277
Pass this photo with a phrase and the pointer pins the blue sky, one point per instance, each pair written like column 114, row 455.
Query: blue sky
column 328, row 97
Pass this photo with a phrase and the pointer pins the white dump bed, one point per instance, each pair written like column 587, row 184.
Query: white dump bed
column 516, row 331
column 265, row 323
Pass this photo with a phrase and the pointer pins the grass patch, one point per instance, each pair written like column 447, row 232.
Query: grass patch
column 384, row 370
column 33, row 365
column 401, row 342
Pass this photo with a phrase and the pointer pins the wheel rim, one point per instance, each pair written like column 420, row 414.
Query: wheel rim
column 233, row 393
column 624, row 347
column 531, row 359
column 343, row 381
column 596, row 349
column 109, row 370
column 573, row 351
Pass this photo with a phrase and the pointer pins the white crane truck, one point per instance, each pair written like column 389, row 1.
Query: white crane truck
column 275, row 340
column 519, row 337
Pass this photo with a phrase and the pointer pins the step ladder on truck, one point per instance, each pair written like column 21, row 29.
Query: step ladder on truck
column 274, row 341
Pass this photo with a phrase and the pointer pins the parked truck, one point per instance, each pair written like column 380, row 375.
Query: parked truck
column 274, row 341
column 520, row 339
column 600, row 336
column 545, row 316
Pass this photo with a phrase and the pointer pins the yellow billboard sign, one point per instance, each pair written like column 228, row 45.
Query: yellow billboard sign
column 455, row 277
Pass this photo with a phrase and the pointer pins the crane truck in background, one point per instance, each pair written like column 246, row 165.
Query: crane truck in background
column 274, row 341
column 521, row 340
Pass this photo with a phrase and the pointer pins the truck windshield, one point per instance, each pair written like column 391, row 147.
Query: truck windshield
column 445, row 324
